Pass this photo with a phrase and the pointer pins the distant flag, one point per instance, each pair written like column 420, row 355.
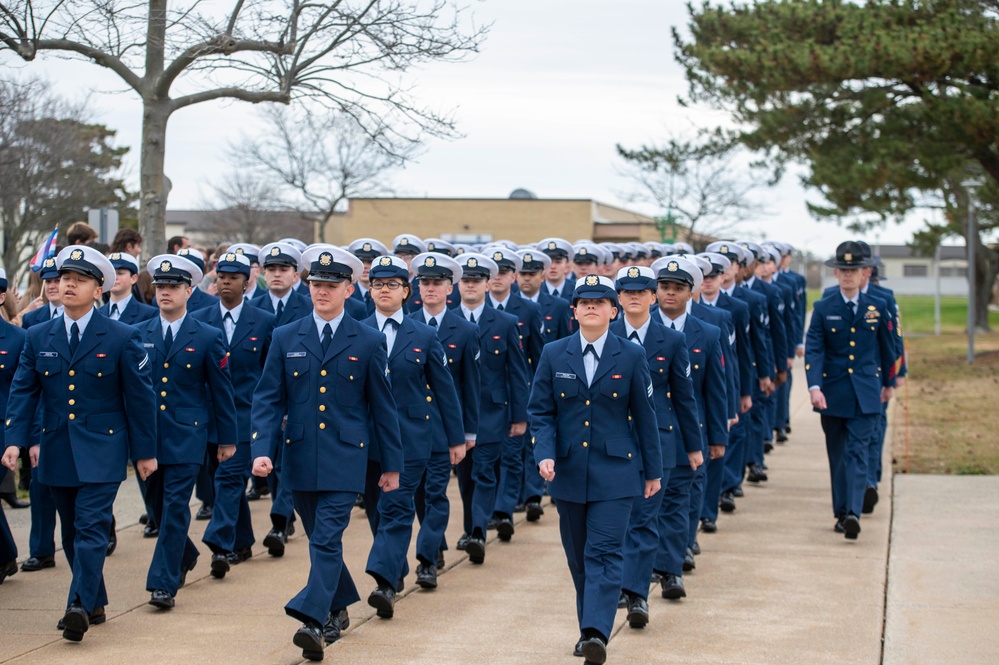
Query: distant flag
column 47, row 250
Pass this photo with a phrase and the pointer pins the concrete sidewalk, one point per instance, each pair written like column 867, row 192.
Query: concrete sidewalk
column 774, row 585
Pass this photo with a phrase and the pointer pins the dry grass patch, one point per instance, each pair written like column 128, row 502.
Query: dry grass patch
column 953, row 407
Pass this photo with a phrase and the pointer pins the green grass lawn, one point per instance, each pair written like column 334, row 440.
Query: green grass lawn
column 917, row 313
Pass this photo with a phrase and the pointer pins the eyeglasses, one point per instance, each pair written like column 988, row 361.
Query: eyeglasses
column 391, row 286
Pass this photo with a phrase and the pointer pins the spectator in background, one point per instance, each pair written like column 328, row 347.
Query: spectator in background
column 101, row 247
column 81, row 233
column 128, row 241
column 177, row 242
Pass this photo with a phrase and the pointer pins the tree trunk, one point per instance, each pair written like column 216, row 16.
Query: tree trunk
column 986, row 270
column 152, row 208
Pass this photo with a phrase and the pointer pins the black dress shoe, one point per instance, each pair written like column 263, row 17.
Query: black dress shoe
column 839, row 525
column 578, row 650
column 534, row 511
column 184, row 570
column 491, row 524
column 695, row 549
column 151, row 530
column 519, row 508
column 594, row 651
column 870, row 500
column 34, row 563
column 737, row 492
column 239, row 556
column 254, row 494
column 289, row 530
column 97, row 617
column 440, row 560
column 504, row 528
column 851, row 527
column 275, row 541
column 8, row 569
column 336, row 623
column 204, row 513
column 462, row 542
column 622, row 602
column 672, row 587
column 476, row 549
column 756, row 474
column 220, row 564
column 788, row 429
column 727, row 502
column 309, row 638
column 688, row 561
column 113, row 537
column 13, row 501
column 359, row 501
column 781, row 435
column 400, row 586
column 656, row 577
column 75, row 623
column 708, row 525
column 383, row 600
column 638, row 612
column 161, row 599
column 426, row 576
column 768, row 447
column 143, row 518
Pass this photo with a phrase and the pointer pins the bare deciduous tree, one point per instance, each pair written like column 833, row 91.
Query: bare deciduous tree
column 319, row 161
column 347, row 55
column 246, row 208
column 706, row 184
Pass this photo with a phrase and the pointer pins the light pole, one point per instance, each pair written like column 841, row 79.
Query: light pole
column 970, row 244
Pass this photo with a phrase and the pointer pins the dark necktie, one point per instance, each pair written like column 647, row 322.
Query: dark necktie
column 280, row 309
column 634, row 336
column 114, row 311
column 393, row 323
column 168, row 338
column 672, row 324
column 228, row 332
column 853, row 307
column 589, row 349
column 327, row 337
column 74, row 338
column 555, row 292
column 433, row 322
column 501, row 308
column 471, row 317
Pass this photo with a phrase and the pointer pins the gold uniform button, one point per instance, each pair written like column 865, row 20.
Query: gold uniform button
column 8, row 421
column 614, row 395
column 361, row 444
column 322, row 407
column 660, row 371
column 322, row 389
column 496, row 351
column 853, row 330
column 287, row 440
column 71, row 373
column 629, row 454
column 162, row 407
column 667, row 394
column 72, row 387
column 629, row 417
column 99, row 375
column 670, row 428
column 110, row 431
column 585, row 444
column 188, row 365
column 46, row 373
column 322, row 425
column 72, row 416
column 850, row 370
column 587, row 401
column 808, row 367
column 697, row 366
column 165, row 380
column 72, row 402
column 563, row 395
column 450, row 360
column 428, row 417
column 351, row 377
column 166, row 365
column 851, row 357
column 296, row 373
column 586, row 423
column 227, row 353
column 162, row 393
column 322, row 373
column 853, row 343
column 429, row 398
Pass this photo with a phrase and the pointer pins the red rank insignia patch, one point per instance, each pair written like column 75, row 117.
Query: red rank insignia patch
column 99, row 355
column 548, row 318
column 497, row 337
column 616, row 376
column 660, row 358
column 352, row 358
column 417, row 350
column 254, row 339
column 697, row 350
column 520, row 323
column 3, row 353
column 189, row 348
column 224, row 362
column 450, row 346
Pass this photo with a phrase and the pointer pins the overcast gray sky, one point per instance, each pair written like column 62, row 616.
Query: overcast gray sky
column 557, row 85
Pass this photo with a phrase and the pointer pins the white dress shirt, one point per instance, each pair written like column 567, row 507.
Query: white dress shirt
column 389, row 331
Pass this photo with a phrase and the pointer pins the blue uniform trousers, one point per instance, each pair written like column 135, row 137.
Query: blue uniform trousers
column 204, row 488
column 433, row 507
column 847, row 443
column 533, row 487
column 231, row 528
column 282, row 503
column 142, row 491
column 396, row 512
column 485, row 485
column 697, row 490
column 674, row 520
column 642, row 541
column 759, row 424
column 735, row 453
column 593, row 537
column 168, row 490
column 874, row 451
column 85, row 515
column 325, row 516
column 714, row 478
column 41, row 536
column 510, row 474
column 771, row 416
column 8, row 548
column 783, row 395
column 466, row 489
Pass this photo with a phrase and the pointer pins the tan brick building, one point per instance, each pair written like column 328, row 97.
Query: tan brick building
column 521, row 220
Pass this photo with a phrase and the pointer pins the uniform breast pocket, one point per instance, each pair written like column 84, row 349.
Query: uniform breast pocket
column 188, row 368
column 296, row 374
column 494, row 351
column 418, row 357
column 99, row 367
column 566, row 388
column 48, row 366
column 252, row 346
column 350, row 382
column 192, row 417
column 624, row 448
column 659, row 365
column 615, row 389
column 107, row 424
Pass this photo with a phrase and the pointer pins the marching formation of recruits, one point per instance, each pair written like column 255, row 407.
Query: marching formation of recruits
column 639, row 385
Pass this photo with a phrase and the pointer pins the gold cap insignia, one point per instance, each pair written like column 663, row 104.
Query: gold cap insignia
column 673, row 266
column 848, row 257
column 724, row 249
column 76, row 255
column 528, row 258
column 430, row 262
column 552, row 245
column 582, row 251
column 230, row 257
column 386, row 261
column 473, row 263
column 115, row 256
column 404, row 241
column 325, row 259
column 431, row 245
column 165, row 266
column 275, row 251
column 498, row 256
column 366, row 247
column 633, row 272
column 592, row 280
column 239, row 251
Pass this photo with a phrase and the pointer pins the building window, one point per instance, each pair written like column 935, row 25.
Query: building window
column 914, row 270
column 953, row 272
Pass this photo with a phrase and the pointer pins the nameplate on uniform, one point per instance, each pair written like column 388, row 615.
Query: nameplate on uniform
column 296, row 354
column 148, row 345
column 563, row 375
column 834, row 317
column 48, row 354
